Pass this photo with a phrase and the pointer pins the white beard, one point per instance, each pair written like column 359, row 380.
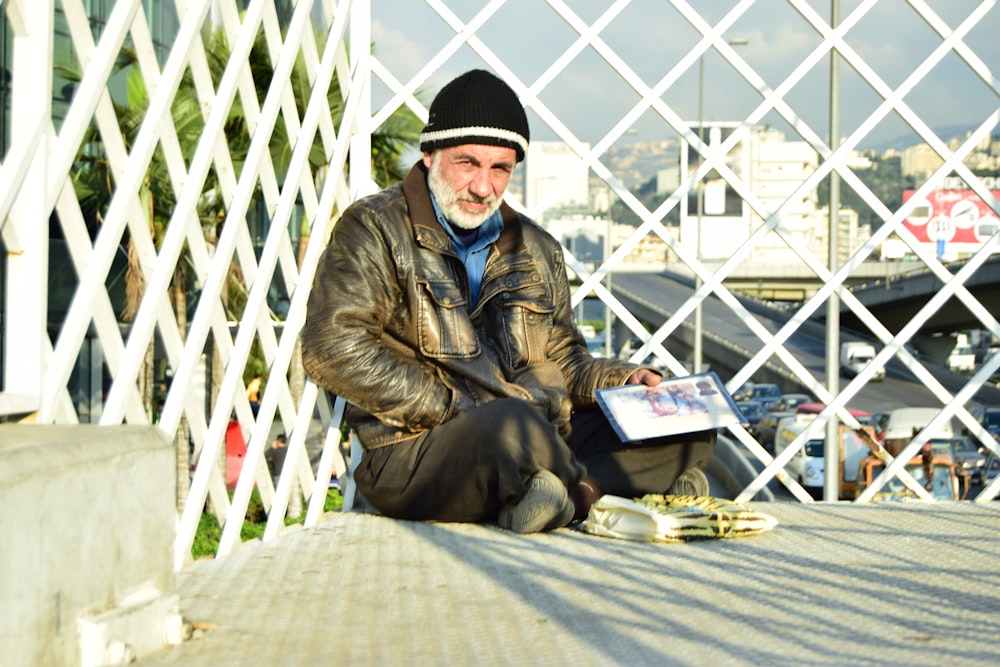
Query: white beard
column 448, row 200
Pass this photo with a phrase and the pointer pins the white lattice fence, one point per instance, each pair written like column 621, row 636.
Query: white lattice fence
column 235, row 167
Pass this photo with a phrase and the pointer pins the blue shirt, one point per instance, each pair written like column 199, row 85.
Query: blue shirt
column 474, row 255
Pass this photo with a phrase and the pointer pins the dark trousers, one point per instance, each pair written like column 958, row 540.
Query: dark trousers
column 466, row 469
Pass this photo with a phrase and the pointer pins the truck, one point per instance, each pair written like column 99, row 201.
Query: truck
column 934, row 466
column 942, row 478
column 855, row 355
column 807, row 465
column 905, row 423
column 962, row 356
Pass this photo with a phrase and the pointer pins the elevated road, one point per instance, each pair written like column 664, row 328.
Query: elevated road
column 896, row 289
column 898, row 298
column 728, row 343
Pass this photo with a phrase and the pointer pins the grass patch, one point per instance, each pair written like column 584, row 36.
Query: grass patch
column 206, row 538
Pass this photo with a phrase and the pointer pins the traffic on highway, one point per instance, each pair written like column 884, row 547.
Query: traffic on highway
column 953, row 463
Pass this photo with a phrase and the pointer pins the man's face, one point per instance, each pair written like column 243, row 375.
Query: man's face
column 468, row 181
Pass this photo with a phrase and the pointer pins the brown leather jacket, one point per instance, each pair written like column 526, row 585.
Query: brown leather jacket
column 390, row 329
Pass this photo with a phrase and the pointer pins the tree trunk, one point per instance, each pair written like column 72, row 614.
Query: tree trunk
column 218, row 369
column 182, row 438
column 145, row 382
column 296, row 383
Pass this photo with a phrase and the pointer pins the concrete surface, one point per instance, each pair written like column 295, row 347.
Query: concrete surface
column 832, row 584
column 88, row 520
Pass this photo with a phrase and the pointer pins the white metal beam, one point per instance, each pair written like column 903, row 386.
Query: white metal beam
column 25, row 324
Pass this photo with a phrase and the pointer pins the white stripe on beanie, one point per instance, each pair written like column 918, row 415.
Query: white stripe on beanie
column 458, row 133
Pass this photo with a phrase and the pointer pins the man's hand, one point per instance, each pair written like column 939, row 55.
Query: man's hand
column 646, row 377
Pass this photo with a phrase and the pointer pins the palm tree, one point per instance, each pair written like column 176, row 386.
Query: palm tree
column 94, row 185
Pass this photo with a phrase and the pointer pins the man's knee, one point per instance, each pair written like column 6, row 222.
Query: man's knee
column 509, row 420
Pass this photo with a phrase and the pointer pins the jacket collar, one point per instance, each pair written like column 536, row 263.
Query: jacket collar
column 418, row 202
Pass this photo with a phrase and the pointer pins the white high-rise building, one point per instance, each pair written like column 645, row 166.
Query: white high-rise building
column 714, row 220
column 772, row 168
column 777, row 168
column 549, row 177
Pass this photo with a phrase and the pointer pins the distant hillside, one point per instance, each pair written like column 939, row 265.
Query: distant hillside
column 905, row 141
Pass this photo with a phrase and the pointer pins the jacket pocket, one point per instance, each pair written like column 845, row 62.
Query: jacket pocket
column 525, row 325
column 443, row 325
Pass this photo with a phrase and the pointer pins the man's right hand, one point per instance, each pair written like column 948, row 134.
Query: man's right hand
column 646, row 377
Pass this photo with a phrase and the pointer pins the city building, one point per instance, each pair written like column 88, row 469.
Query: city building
column 585, row 236
column 920, row 161
column 777, row 168
column 714, row 219
column 772, row 168
column 554, row 181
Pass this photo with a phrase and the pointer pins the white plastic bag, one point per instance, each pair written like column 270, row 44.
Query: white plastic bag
column 662, row 518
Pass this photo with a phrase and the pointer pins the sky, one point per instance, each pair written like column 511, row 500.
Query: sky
column 652, row 37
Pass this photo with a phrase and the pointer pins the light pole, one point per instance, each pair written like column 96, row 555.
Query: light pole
column 700, row 191
column 831, row 457
column 608, row 324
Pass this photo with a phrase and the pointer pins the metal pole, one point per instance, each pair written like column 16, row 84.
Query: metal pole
column 832, row 463
column 697, row 352
column 607, row 309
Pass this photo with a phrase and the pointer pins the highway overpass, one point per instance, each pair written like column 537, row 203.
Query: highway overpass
column 728, row 342
column 898, row 298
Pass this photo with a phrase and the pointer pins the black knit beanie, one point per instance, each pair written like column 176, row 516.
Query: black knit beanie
column 476, row 108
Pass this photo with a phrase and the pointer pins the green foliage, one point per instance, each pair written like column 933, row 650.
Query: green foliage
column 886, row 181
column 256, row 365
column 206, row 538
column 92, row 174
column 646, row 193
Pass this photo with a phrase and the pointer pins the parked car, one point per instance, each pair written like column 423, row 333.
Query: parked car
column 753, row 411
column 791, row 402
column 990, row 419
column 807, row 464
column 987, row 357
column 766, row 393
column 815, row 407
column 991, row 468
column 966, row 453
column 743, row 393
column 783, row 407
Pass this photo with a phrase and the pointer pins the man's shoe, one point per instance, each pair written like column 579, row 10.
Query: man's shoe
column 692, row 482
column 545, row 506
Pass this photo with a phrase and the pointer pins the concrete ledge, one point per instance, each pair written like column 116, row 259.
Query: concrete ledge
column 89, row 518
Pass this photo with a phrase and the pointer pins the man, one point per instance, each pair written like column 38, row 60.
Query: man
column 275, row 457
column 443, row 317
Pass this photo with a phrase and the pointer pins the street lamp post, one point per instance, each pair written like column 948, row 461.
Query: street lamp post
column 831, row 457
column 608, row 323
column 700, row 192
column 697, row 352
